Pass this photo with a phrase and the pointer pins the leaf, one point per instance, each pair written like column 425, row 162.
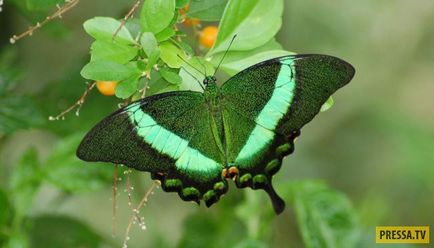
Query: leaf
column 165, row 34
column 127, row 88
column 207, row 10
column 254, row 22
column 107, row 50
column 149, row 43
column 327, row 105
column 18, row 112
column 150, row 46
column 64, row 170
column 158, row 84
column 61, row 231
column 25, row 181
column 171, row 76
column 192, row 74
column 181, row 3
column 107, row 71
column 169, row 54
column 103, row 28
column 156, row 15
column 325, row 217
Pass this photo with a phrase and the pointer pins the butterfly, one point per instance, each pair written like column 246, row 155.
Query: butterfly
column 194, row 142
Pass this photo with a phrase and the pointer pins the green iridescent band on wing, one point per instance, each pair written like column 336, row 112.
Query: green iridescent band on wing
column 170, row 144
column 267, row 120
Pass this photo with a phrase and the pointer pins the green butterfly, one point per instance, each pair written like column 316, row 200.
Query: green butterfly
column 193, row 142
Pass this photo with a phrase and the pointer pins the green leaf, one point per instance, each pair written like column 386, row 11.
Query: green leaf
column 61, row 231
column 181, row 3
column 156, row 15
column 107, row 71
column 169, row 54
column 325, row 217
column 64, row 170
column 17, row 112
column 149, row 43
column 25, row 181
column 165, row 34
column 170, row 75
column 127, row 88
column 192, row 74
column 158, row 84
column 327, row 105
column 207, row 10
column 107, row 50
column 103, row 28
column 254, row 22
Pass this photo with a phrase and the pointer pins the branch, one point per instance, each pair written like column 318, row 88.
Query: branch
column 127, row 16
column 77, row 104
column 69, row 4
column 135, row 217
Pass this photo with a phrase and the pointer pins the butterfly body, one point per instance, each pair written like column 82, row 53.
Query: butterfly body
column 195, row 142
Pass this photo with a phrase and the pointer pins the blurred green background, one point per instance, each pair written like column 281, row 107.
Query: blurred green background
column 376, row 145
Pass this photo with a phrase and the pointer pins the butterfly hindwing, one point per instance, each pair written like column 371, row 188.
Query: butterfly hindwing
column 265, row 107
column 169, row 135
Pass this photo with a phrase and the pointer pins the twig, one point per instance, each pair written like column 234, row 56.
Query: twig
column 78, row 104
column 69, row 4
column 126, row 17
column 137, row 210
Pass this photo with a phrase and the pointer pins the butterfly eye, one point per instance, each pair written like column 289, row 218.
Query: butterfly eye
column 205, row 81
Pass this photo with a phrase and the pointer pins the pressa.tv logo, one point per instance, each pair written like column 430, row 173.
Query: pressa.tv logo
column 402, row 234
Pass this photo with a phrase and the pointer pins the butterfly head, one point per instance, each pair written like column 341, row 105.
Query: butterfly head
column 209, row 80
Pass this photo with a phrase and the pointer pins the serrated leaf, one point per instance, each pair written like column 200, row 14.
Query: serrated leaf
column 327, row 105
column 240, row 17
column 170, row 76
column 103, row 28
column 64, row 170
column 169, row 54
column 107, row 71
column 207, row 10
column 127, row 88
column 156, row 15
column 107, row 50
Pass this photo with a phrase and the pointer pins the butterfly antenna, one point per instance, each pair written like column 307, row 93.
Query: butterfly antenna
column 185, row 61
column 197, row 80
column 203, row 65
column 224, row 55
